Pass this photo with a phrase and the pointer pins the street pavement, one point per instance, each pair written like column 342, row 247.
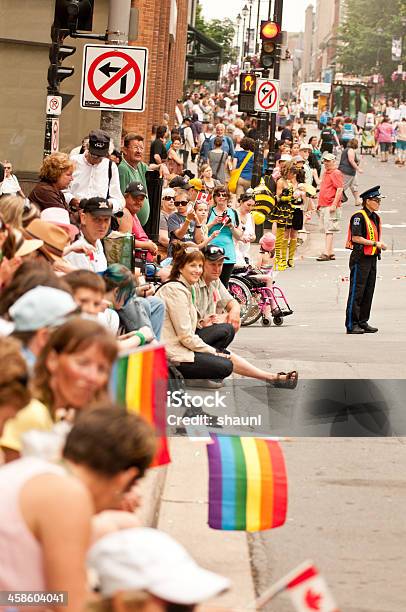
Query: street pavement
column 346, row 495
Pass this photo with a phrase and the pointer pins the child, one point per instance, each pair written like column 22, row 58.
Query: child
column 89, row 292
column 265, row 263
column 202, row 212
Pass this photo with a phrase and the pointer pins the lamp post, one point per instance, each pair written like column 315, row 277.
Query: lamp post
column 244, row 13
column 238, row 22
column 250, row 2
column 257, row 29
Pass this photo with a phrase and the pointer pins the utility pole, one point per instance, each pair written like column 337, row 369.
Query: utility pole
column 117, row 34
column 277, row 17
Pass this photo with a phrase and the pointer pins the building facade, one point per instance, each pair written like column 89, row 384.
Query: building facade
column 329, row 14
column 24, row 47
column 308, row 45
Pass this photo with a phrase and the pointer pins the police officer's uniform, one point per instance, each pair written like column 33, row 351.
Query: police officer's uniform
column 363, row 266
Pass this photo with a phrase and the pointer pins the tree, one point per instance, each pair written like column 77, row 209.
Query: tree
column 222, row 31
column 365, row 38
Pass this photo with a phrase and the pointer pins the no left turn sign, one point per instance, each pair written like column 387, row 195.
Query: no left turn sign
column 267, row 96
column 114, row 78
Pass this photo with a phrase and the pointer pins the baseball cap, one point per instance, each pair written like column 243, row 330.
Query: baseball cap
column 150, row 560
column 136, row 188
column 41, row 307
column 60, row 217
column 100, row 207
column 286, row 157
column 328, row 156
column 214, row 253
column 305, row 147
column 99, row 143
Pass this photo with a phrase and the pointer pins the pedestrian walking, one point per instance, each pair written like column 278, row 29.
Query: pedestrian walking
column 364, row 238
column 349, row 166
column 383, row 135
column 329, row 206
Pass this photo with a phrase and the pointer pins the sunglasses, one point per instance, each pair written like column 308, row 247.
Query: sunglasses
column 182, row 203
column 221, row 194
column 167, row 198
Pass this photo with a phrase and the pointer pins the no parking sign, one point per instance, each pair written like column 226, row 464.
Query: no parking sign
column 114, row 78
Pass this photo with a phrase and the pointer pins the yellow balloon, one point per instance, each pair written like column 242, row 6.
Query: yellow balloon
column 258, row 217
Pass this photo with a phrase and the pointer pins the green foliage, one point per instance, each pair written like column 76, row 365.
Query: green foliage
column 222, row 31
column 365, row 38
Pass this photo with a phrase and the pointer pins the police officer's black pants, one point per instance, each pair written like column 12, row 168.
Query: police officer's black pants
column 362, row 286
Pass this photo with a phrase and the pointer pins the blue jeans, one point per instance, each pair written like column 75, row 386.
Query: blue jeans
column 155, row 308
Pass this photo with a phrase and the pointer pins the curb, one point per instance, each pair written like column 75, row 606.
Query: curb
column 151, row 489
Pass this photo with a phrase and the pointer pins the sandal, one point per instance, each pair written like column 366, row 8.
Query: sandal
column 323, row 257
column 290, row 382
column 332, row 257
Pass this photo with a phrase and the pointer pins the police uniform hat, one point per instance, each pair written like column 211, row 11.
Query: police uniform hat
column 374, row 192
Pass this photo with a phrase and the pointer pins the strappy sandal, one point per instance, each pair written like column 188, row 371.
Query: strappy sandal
column 323, row 257
column 290, row 382
column 332, row 257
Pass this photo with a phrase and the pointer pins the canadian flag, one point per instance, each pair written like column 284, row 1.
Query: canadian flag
column 309, row 591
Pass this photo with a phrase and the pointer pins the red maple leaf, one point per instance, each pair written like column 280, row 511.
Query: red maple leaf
column 313, row 600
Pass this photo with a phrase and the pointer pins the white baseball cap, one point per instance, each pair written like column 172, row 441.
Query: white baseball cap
column 286, row 157
column 150, row 560
column 328, row 156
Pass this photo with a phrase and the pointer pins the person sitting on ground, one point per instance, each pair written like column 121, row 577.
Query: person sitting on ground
column 14, row 389
column 36, row 313
column 187, row 346
column 46, row 524
column 148, row 569
column 56, row 174
column 95, row 218
column 183, row 224
column 167, row 208
column 129, row 223
column 12, row 210
column 71, row 372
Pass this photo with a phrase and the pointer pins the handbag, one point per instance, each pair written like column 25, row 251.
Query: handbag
column 236, row 173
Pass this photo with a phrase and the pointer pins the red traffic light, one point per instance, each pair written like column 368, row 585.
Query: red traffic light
column 269, row 30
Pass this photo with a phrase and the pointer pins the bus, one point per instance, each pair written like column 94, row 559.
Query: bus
column 309, row 97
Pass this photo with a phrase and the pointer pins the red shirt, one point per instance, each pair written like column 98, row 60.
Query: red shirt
column 331, row 181
column 139, row 234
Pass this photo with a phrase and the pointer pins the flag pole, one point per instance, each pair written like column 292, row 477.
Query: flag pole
column 279, row 586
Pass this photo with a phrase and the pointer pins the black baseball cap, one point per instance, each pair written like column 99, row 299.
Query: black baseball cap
column 214, row 253
column 136, row 188
column 100, row 207
column 99, row 143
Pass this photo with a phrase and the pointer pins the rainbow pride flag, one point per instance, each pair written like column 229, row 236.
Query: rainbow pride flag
column 139, row 382
column 247, row 484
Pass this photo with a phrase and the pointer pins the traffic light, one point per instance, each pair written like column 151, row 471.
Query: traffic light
column 270, row 33
column 56, row 72
column 73, row 15
column 246, row 97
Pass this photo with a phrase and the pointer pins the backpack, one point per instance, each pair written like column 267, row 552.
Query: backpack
column 205, row 148
column 327, row 135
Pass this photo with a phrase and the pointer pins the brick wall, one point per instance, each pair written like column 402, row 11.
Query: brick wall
column 166, row 65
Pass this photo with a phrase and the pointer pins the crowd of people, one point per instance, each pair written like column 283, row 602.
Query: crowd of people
column 72, row 300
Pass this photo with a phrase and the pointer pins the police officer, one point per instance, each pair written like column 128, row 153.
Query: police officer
column 364, row 238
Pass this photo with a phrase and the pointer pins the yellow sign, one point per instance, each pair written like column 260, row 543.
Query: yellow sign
column 248, row 83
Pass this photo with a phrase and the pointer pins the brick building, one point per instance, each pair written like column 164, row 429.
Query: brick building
column 163, row 30
column 24, row 47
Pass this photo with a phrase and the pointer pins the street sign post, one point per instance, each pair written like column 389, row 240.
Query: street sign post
column 267, row 95
column 114, row 78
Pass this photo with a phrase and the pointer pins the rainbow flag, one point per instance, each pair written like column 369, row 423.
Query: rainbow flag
column 247, row 484
column 139, row 381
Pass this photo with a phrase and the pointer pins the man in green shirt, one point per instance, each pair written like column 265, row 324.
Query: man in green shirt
column 133, row 169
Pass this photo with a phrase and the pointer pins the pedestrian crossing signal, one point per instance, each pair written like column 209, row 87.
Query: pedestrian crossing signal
column 248, row 83
column 246, row 98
